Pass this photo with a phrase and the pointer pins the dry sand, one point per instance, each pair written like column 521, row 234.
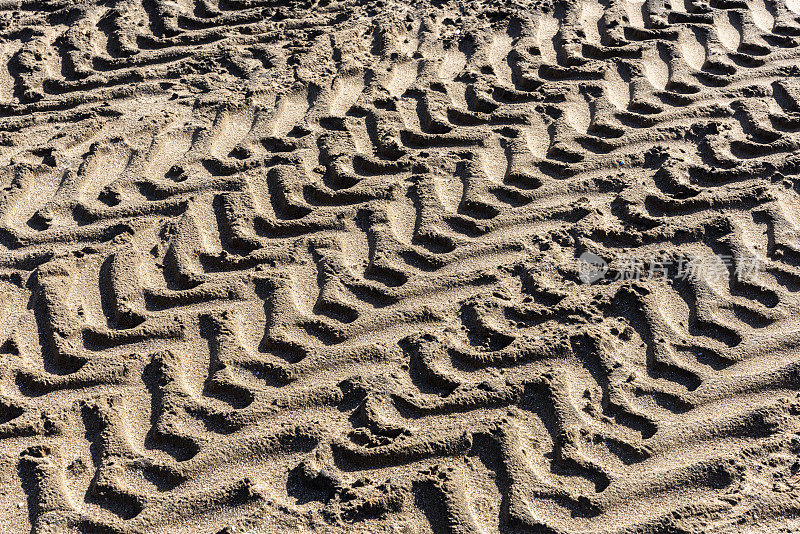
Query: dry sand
column 283, row 266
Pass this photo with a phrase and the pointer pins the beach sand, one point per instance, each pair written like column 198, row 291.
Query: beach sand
column 446, row 266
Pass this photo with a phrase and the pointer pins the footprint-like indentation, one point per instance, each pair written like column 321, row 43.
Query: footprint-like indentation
column 402, row 218
column 108, row 163
column 578, row 113
column 498, row 54
column 656, row 69
column 453, row 62
column 591, row 11
column 617, row 89
column 761, row 15
column 679, row 6
column 229, row 129
column 37, row 187
column 449, row 191
column 346, row 91
column 692, row 50
column 537, row 139
column 166, row 149
column 728, row 34
column 291, row 108
column 494, row 161
column 634, row 10
column 403, row 75
column 548, row 27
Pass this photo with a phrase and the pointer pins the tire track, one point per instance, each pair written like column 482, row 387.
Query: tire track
column 270, row 267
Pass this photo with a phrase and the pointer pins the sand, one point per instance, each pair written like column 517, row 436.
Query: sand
column 377, row 267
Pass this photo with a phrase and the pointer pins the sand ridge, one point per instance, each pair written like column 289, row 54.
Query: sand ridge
column 321, row 266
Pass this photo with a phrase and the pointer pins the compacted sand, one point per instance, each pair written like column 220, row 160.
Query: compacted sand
column 377, row 267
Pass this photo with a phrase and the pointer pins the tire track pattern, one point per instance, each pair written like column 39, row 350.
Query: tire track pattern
column 363, row 287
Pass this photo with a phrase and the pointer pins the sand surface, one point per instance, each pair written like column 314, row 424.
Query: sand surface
column 449, row 266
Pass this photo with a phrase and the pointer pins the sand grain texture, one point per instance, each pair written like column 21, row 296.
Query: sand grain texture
column 295, row 266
